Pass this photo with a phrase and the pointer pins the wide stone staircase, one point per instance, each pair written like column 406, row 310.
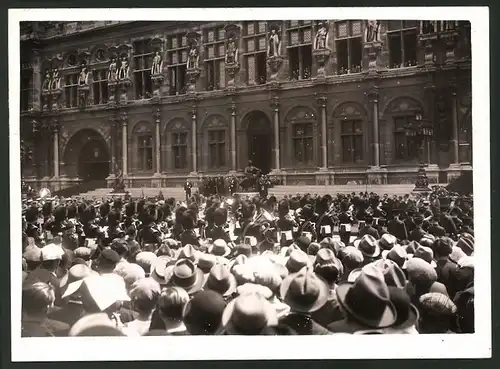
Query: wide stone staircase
column 278, row 191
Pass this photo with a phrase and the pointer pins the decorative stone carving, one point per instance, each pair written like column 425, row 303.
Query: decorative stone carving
column 428, row 36
column 83, row 86
column 321, row 39
column 274, row 44
column 449, row 35
column 193, row 59
column 321, row 52
column 112, row 70
column 124, row 70
column 231, row 60
column 55, row 82
column 157, row 66
column 372, row 31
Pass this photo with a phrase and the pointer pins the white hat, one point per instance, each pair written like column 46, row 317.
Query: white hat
column 106, row 289
column 52, row 252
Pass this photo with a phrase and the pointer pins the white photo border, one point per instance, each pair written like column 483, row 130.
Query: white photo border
column 477, row 345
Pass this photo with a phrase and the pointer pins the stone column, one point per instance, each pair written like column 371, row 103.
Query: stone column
column 233, row 137
column 55, row 132
column 194, row 148
column 375, row 174
column 124, row 144
column 276, row 129
column 157, row 116
column 454, row 128
column 322, row 101
column 376, row 136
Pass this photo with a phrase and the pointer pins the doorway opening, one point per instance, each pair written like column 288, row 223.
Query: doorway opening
column 93, row 161
column 260, row 141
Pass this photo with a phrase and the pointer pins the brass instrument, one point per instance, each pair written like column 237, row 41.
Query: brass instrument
column 44, row 193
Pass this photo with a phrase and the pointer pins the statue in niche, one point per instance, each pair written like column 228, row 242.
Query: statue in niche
column 193, row 56
column 372, row 27
column 56, row 80
column 83, row 78
column 112, row 70
column 320, row 39
column 156, row 68
column 123, row 72
column 274, row 48
column 232, row 51
column 46, row 81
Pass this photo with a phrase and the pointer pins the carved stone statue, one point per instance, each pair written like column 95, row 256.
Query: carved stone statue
column 372, row 27
column 231, row 52
column 274, row 47
column 83, row 78
column 112, row 70
column 46, row 81
column 123, row 72
column 157, row 66
column 320, row 39
column 193, row 57
column 119, row 185
column 56, row 80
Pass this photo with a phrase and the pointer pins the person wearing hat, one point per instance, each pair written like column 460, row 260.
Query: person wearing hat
column 51, row 257
column 107, row 261
column 437, row 313
column 305, row 293
column 33, row 257
column 72, row 310
column 222, row 281
column 422, row 278
column 285, row 223
column 418, row 232
column 248, row 314
column 446, row 268
column 219, row 248
column 187, row 275
column 425, row 253
column 396, row 226
column 407, row 314
column 203, row 313
column 144, row 295
column 351, row 259
column 368, row 229
column 369, row 247
column 37, row 299
column 218, row 230
column 366, row 303
column 328, row 267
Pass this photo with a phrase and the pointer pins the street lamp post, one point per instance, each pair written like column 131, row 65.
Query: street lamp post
column 423, row 130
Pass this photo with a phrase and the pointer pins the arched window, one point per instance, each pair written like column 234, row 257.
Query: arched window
column 302, row 122
column 409, row 130
column 349, row 119
column 217, row 147
column 143, row 135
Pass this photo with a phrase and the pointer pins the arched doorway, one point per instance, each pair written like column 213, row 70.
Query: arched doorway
column 87, row 156
column 260, row 140
column 93, row 161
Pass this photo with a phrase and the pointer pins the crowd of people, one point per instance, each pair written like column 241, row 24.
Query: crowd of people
column 234, row 265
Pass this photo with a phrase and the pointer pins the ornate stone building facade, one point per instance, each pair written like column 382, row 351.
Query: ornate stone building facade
column 311, row 102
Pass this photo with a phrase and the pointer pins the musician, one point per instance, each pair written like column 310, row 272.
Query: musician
column 32, row 226
column 397, row 227
column 233, row 185
column 345, row 221
column 263, row 186
column 307, row 223
column 418, row 233
column 189, row 236
column 369, row 229
column 187, row 188
column 325, row 219
column 218, row 230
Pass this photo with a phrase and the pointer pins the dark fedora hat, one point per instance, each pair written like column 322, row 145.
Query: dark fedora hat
column 304, row 291
column 367, row 299
column 186, row 275
column 221, row 280
column 407, row 313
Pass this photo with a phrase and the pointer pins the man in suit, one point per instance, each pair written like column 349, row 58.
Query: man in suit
column 397, row 227
column 187, row 188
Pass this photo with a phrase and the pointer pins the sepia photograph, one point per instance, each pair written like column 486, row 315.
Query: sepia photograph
column 296, row 172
